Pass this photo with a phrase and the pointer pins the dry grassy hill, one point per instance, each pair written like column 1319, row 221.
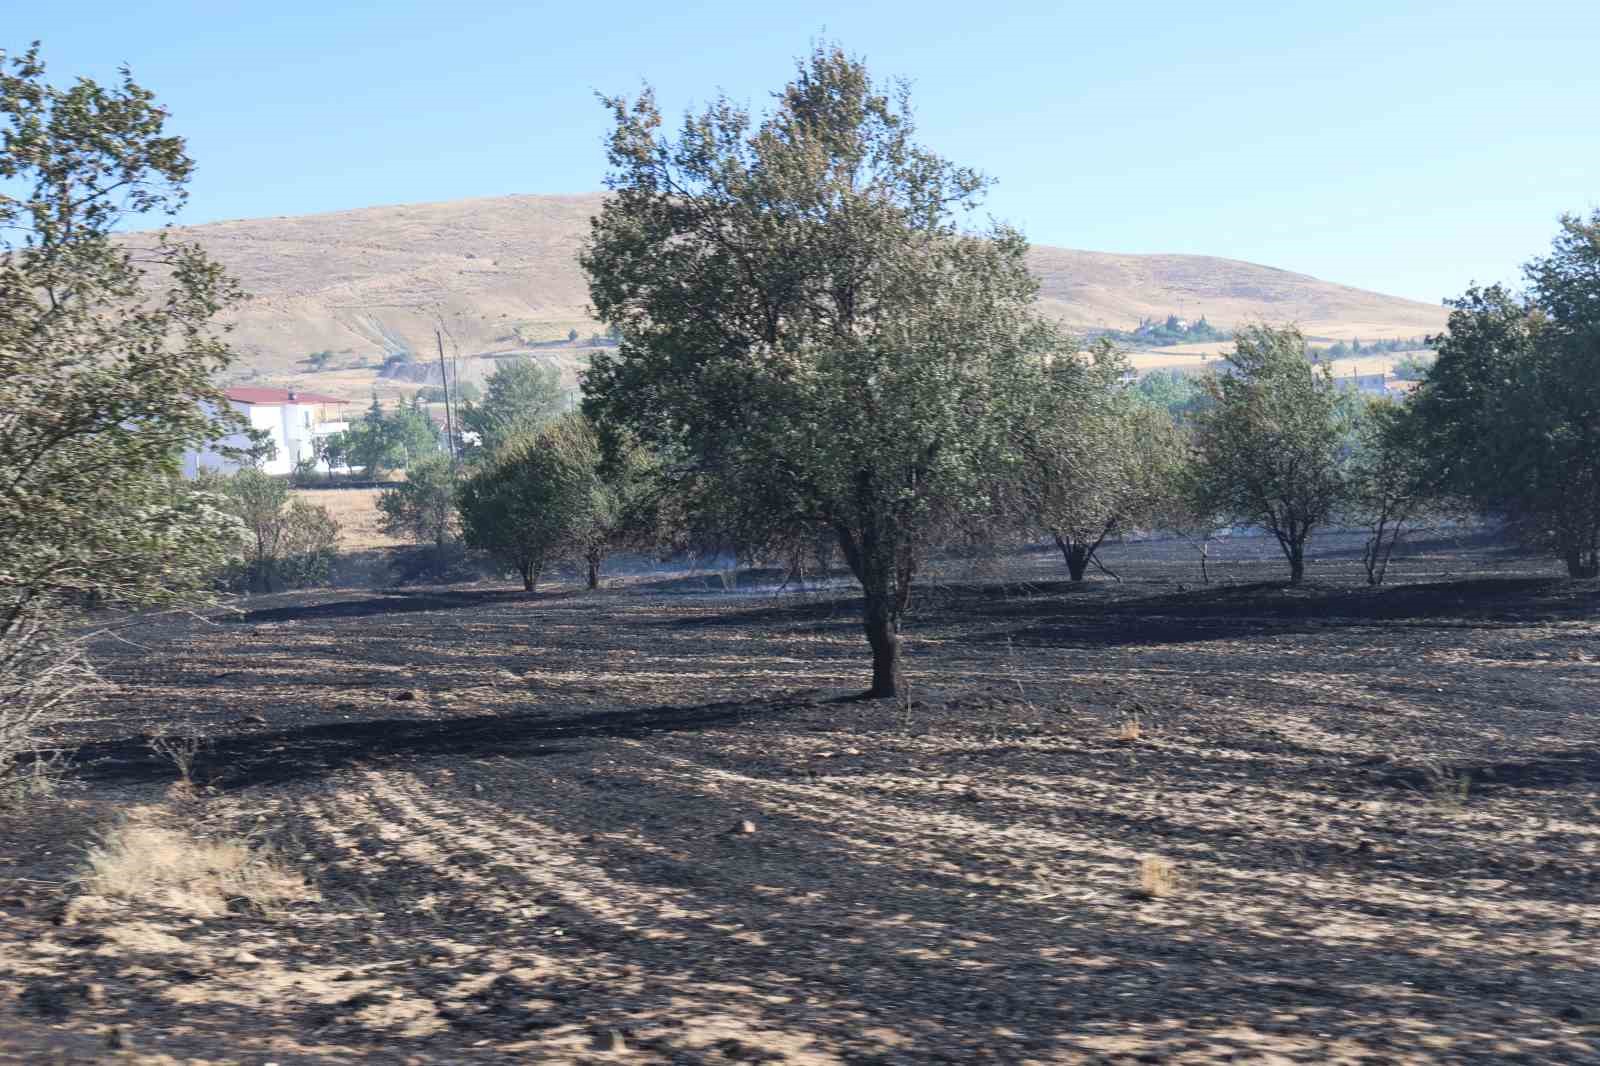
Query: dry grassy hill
column 502, row 273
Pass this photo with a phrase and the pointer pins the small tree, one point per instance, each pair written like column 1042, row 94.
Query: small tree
column 609, row 505
column 289, row 543
column 1273, row 449
column 423, row 506
column 1096, row 459
column 516, row 506
column 1391, row 491
column 521, row 395
column 388, row 440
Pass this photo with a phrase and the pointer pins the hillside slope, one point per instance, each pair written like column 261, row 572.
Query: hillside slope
column 502, row 273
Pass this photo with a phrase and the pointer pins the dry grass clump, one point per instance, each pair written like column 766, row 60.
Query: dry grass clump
column 1130, row 731
column 356, row 512
column 1158, row 878
column 172, row 867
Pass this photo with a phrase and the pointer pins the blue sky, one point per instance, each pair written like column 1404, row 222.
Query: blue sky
column 1408, row 147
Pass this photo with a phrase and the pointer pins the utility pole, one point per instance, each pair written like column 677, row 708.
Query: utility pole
column 444, row 374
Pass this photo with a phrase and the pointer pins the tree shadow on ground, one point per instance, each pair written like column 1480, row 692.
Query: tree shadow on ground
column 392, row 602
column 1560, row 770
column 244, row 760
column 1234, row 611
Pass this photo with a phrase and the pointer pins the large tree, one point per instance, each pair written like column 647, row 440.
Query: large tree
column 799, row 303
column 1273, row 449
column 1511, row 407
column 107, row 353
column 106, row 367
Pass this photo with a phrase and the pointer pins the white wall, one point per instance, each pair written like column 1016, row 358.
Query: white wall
column 290, row 427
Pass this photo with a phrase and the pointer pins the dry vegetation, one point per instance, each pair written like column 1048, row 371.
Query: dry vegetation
column 495, row 270
column 356, row 511
column 647, row 825
column 151, row 857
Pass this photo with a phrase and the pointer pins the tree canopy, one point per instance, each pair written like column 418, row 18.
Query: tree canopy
column 1510, row 409
column 798, row 303
column 107, row 355
column 519, row 396
column 1273, row 448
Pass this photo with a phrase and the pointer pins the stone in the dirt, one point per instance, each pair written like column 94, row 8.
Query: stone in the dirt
column 745, row 826
column 253, row 719
column 406, row 695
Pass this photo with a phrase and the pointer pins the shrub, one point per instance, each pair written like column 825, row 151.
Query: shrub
column 289, row 543
column 144, row 860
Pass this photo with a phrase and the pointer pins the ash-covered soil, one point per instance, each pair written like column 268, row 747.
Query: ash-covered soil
column 651, row 824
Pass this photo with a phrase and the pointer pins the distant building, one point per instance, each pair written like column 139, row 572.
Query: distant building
column 1365, row 384
column 293, row 421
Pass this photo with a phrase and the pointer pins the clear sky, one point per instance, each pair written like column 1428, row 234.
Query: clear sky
column 1408, row 146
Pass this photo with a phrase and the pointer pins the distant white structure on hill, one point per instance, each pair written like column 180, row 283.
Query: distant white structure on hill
column 1365, row 384
column 293, row 421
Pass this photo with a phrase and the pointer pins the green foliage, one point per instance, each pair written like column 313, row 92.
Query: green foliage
column 1273, row 449
column 1182, row 395
column 554, row 493
column 1162, row 333
column 1510, row 410
column 1342, row 350
column 319, row 360
column 104, row 379
column 1391, row 491
column 521, row 395
column 288, row 542
column 800, row 308
column 423, row 506
column 1095, row 459
column 1413, row 367
column 387, row 440
column 516, row 506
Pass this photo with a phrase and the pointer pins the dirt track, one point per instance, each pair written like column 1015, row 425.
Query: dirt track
column 524, row 816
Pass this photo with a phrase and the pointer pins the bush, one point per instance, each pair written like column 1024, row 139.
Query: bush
column 289, row 543
column 423, row 506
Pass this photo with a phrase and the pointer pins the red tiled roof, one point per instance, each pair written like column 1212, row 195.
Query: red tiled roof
column 252, row 395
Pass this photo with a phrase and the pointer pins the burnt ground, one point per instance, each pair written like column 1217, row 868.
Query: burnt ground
column 524, row 816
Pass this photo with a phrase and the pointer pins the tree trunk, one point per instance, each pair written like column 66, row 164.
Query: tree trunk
column 1297, row 563
column 1578, row 567
column 885, row 589
column 883, row 634
column 530, row 575
column 1077, row 555
column 594, row 570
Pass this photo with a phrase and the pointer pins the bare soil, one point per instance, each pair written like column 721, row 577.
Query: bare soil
column 652, row 824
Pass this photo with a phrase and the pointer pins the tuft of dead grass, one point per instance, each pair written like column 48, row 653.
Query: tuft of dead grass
column 145, row 861
column 1130, row 731
column 1158, row 878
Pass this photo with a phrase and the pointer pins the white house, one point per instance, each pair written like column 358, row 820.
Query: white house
column 293, row 421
